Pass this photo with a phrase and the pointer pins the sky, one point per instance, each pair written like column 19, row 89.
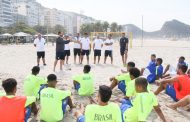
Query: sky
column 154, row 12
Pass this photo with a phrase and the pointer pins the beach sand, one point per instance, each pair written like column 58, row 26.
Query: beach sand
column 16, row 61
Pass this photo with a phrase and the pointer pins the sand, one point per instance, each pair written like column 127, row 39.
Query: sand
column 16, row 61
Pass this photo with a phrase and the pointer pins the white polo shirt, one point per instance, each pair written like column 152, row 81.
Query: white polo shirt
column 85, row 43
column 98, row 44
column 40, row 44
column 77, row 45
column 109, row 47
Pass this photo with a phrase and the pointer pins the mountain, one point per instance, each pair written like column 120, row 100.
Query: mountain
column 170, row 29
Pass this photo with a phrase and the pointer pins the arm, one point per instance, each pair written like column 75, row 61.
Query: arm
column 159, row 112
column 93, row 46
column 66, row 42
column 171, row 80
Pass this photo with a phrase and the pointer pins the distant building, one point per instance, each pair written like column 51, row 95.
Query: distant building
column 6, row 16
column 29, row 12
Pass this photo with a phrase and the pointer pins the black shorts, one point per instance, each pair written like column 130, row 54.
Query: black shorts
column 85, row 52
column 108, row 53
column 67, row 53
column 97, row 52
column 41, row 54
column 77, row 52
column 122, row 51
column 60, row 56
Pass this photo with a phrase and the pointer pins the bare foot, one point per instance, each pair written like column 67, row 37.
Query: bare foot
column 171, row 107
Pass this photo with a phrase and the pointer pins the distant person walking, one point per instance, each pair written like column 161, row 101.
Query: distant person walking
column 124, row 48
column 60, row 47
column 77, row 48
column 39, row 43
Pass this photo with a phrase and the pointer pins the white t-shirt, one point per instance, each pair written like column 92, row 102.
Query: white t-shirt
column 98, row 44
column 40, row 44
column 76, row 45
column 67, row 47
column 85, row 43
column 109, row 47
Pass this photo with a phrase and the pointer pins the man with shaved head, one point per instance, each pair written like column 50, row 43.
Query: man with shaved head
column 39, row 43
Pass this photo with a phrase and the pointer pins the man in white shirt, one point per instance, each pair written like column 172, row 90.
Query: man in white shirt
column 39, row 43
column 86, row 47
column 77, row 48
column 67, row 52
column 97, row 47
column 108, row 48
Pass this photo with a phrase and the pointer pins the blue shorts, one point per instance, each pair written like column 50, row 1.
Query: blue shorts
column 77, row 86
column 125, row 104
column 27, row 113
column 171, row 92
column 122, row 86
column 64, row 104
column 151, row 78
column 81, row 118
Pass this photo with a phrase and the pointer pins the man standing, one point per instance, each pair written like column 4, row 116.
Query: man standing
column 97, row 46
column 77, row 48
column 86, row 47
column 108, row 48
column 124, row 48
column 67, row 52
column 39, row 43
column 60, row 47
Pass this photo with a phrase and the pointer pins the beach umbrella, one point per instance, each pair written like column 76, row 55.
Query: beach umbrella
column 7, row 35
column 51, row 35
column 21, row 34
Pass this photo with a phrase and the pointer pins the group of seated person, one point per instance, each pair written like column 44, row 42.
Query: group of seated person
column 42, row 96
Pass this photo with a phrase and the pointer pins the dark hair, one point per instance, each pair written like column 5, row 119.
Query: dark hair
column 105, row 93
column 51, row 78
column 159, row 60
column 35, row 70
column 183, row 68
column 182, row 58
column 131, row 64
column 87, row 68
column 134, row 72
column 85, row 33
column 141, row 81
column 9, row 85
column 154, row 55
column 59, row 32
column 110, row 35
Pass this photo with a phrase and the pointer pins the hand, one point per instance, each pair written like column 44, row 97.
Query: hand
column 157, row 82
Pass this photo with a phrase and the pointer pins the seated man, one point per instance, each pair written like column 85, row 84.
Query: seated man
column 150, row 71
column 159, row 68
column 182, row 103
column 142, row 104
column 84, row 83
column 33, row 82
column 172, row 70
column 122, row 79
column 15, row 108
column 53, row 101
column 103, row 111
column 152, row 77
column 130, row 90
column 177, row 87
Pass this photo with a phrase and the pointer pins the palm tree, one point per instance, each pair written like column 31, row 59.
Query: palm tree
column 114, row 27
column 105, row 26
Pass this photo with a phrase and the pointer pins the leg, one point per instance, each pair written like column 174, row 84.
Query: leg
column 111, row 59
column 87, row 59
column 98, row 59
column 94, row 59
column 182, row 103
column 70, row 103
column 123, row 59
column 114, row 83
column 43, row 58
column 166, row 69
column 126, row 56
column 67, row 59
column 61, row 64
column 105, row 58
column 55, row 63
column 75, row 59
column 82, row 59
column 160, row 88
column 38, row 61
column 44, row 62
